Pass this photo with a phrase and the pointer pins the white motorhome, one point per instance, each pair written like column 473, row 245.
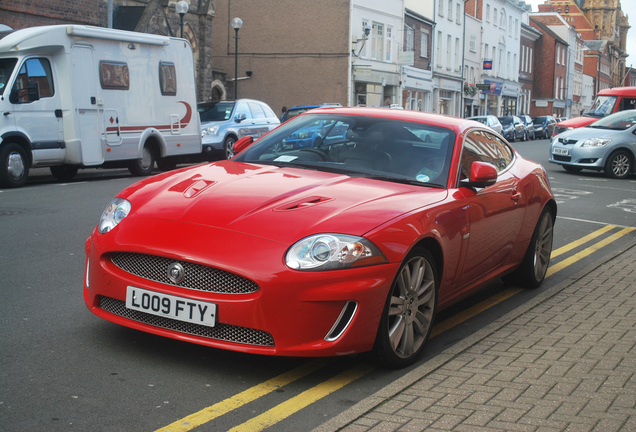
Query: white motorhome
column 79, row 96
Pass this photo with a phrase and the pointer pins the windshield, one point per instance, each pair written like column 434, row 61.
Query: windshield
column 619, row 121
column 506, row 121
column 603, row 105
column 215, row 111
column 538, row 120
column 483, row 120
column 6, row 68
column 359, row 146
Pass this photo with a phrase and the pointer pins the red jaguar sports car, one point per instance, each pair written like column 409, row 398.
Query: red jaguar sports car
column 341, row 231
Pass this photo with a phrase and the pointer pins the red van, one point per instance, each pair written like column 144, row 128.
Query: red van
column 607, row 101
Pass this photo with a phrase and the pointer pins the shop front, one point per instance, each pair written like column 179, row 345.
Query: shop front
column 447, row 95
column 417, row 94
column 374, row 88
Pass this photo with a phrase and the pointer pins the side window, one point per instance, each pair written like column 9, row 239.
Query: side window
column 242, row 108
column 628, row 103
column 483, row 146
column 257, row 111
column 168, row 79
column 114, row 75
column 34, row 72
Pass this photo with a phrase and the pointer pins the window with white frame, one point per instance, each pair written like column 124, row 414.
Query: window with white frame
column 424, row 44
column 495, row 17
column 377, row 41
column 440, row 8
column 487, row 13
column 438, row 53
column 458, row 13
column 473, row 43
column 388, row 43
column 449, row 46
column 450, row 10
column 409, row 34
column 457, row 64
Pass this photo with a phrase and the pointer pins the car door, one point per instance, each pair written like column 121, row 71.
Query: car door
column 37, row 109
column 495, row 213
column 259, row 121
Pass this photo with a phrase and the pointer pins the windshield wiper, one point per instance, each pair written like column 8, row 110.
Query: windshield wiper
column 403, row 180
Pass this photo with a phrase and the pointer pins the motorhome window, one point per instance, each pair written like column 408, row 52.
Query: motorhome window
column 168, row 79
column 114, row 75
column 6, row 68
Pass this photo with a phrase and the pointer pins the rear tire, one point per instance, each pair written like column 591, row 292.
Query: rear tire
column 145, row 165
column 533, row 268
column 409, row 311
column 14, row 166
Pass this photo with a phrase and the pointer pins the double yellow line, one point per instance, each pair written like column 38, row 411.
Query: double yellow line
column 306, row 398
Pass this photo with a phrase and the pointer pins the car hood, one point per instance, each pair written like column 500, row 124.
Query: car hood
column 588, row 132
column 280, row 204
column 577, row 122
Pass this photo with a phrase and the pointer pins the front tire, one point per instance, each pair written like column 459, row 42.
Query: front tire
column 145, row 165
column 619, row 164
column 14, row 165
column 572, row 169
column 533, row 268
column 228, row 147
column 409, row 311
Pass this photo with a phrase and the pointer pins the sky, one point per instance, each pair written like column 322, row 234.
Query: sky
column 629, row 8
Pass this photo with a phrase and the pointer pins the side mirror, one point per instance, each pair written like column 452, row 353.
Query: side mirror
column 242, row 144
column 240, row 117
column 482, row 174
column 33, row 89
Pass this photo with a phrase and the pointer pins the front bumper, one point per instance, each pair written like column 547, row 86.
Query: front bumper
column 292, row 313
column 577, row 156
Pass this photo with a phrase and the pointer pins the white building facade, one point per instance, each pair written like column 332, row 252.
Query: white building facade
column 501, row 22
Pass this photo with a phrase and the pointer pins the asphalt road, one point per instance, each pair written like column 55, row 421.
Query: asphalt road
column 63, row 369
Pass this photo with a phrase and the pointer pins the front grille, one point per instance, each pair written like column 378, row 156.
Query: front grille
column 196, row 276
column 220, row 331
column 567, row 141
column 561, row 158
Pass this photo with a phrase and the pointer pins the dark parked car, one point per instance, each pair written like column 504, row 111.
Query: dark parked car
column 296, row 110
column 544, row 126
column 529, row 127
column 513, row 128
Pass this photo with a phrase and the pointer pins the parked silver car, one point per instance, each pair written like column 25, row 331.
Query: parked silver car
column 608, row 144
column 489, row 120
column 225, row 122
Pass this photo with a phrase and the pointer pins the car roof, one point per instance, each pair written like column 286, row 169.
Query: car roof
column 457, row 124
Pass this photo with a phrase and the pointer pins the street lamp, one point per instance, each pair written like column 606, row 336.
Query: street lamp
column 182, row 8
column 237, row 23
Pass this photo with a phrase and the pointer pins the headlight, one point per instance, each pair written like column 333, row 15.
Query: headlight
column 332, row 251
column 595, row 142
column 114, row 213
column 210, row 131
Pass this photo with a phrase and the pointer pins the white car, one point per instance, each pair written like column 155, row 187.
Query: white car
column 490, row 121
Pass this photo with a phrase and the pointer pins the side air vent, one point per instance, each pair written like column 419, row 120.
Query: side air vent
column 343, row 321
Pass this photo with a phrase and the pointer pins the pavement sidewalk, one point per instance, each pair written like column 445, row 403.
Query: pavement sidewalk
column 565, row 361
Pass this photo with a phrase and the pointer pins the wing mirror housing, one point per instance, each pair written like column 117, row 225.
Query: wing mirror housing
column 242, row 144
column 482, row 174
column 240, row 117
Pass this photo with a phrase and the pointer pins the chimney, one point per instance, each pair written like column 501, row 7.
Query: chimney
column 545, row 8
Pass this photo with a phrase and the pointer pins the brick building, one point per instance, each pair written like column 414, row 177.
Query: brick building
column 550, row 72
column 529, row 38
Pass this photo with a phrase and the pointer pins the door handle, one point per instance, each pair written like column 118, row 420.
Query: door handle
column 516, row 196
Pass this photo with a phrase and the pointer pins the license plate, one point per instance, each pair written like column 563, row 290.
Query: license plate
column 169, row 306
column 561, row 151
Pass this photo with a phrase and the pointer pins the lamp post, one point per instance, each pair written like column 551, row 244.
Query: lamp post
column 237, row 23
column 182, row 8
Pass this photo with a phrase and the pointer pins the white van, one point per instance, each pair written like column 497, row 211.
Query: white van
column 80, row 96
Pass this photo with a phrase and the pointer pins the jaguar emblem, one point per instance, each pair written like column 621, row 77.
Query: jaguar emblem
column 176, row 273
